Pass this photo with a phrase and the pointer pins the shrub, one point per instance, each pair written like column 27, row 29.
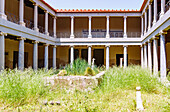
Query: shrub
column 89, row 71
column 62, row 73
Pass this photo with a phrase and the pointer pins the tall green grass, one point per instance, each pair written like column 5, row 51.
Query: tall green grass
column 78, row 67
column 130, row 78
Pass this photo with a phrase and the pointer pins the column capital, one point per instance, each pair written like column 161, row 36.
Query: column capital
column 125, row 45
column 46, row 11
column 72, row 46
column 162, row 32
column 89, row 45
column 145, row 43
column 72, row 17
column 46, row 44
column 149, row 41
column 89, row 17
column 35, row 42
column 21, row 38
column 142, row 16
column 150, row 3
column 155, row 37
column 141, row 45
column 54, row 17
column 2, row 33
column 107, row 17
column 54, row 46
column 124, row 17
column 107, row 46
column 35, row 4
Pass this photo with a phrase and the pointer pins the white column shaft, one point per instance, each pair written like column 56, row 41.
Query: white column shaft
column 155, row 56
column 145, row 21
column 125, row 27
column 162, row 57
column 35, row 56
column 36, row 17
column 162, row 8
column 145, row 56
column 125, row 56
column 72, row 55
column 107, row 28
column 21, row 54
column 150, row 16
column 46, row 57
column 155, row 12
column 141, row 26
column 21, row 13
column 142, row 60
column 90, row 36
column 54, row 26
column 54, row 57
column 72, row 27
column 2, row 52
column 2, row 9
column 107, row 57
column 46, row 23
column 149, row 57
column 89, row 55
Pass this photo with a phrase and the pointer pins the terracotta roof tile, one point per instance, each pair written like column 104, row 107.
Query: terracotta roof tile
column 96, row 10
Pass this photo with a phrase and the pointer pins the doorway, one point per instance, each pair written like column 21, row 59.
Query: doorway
column 98, row 54
column 118, row 56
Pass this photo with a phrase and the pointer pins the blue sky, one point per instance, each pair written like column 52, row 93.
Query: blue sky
column 95, row 4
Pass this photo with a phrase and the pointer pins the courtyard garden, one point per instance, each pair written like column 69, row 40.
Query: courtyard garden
column 27, row 91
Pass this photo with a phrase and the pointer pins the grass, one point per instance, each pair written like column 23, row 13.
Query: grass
column 25, row 91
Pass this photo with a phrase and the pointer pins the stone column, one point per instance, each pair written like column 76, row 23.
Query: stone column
column 21, row 53
column 71, row 55
column 107, row 57
column 90, row 36
column 46, row 56
column 21, row 13
column 89, row 55
column 46, row 23
column 142, row 60
column 2, row 9
column 125, row 56
column 72, row 27
column 149, row 56
column 142, row 26
column 125, row 26
column 162, row 55
column 162, row 8
column 2, row 50
column 35, row 55
column 145, row 56
column 107, row 28
column 145, row 21
column 36, row 17
column 150, row 16
column 54, row 57
column 54, row 26
column 155, row 12
column 155, row 56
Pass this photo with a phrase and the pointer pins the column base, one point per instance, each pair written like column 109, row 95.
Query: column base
column 71, row 36
column 125, row 36
column 161, row 14
column 154, row 22
column 36, row 29
column 89, row 36
column 47, row 33
column 22, row 23
column 55, row 36
column 3, row 16
column 107, row 36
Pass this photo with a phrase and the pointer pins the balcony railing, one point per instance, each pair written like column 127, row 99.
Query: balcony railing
column 11, row 17
column 133, row 34
column 63, row 35
column 41, row 29
column 100, row 35
column 51, row 33
column 81, row 35
column 29, row 24
column 167, row 6
column 116, row 34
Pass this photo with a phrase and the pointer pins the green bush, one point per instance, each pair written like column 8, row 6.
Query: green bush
column 89, row 71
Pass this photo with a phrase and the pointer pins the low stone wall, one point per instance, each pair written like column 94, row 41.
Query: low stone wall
column 75, row 82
